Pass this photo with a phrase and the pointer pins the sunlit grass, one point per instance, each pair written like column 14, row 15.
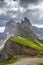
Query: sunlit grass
column 29, row 43
column 40, row 64
column 12, row 60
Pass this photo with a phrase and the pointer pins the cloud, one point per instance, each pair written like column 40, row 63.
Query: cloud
column 2, row 29
column 25, row 3
column 2, row 3
column 39, row 26
column 8, row 10
column 18, row 9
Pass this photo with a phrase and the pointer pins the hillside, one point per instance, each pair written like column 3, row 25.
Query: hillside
column 20, row 46
column 28, row 43
column 23, row 40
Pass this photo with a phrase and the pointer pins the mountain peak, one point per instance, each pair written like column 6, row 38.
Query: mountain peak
column 11, row 22
column 10, row 28
column 26, row 23
column 14, row 28
column 25, row 19
column 22, row 22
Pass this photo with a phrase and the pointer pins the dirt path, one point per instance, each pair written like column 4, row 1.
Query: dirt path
column 29, row 61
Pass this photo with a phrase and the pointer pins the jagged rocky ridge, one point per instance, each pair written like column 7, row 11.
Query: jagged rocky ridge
column 19, row 29
column 12, row 28
column 23, row 29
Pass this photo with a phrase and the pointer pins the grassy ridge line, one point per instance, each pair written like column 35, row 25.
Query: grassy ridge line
column 21, row 40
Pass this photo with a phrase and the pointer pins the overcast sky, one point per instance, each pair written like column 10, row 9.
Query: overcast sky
column 18, row 9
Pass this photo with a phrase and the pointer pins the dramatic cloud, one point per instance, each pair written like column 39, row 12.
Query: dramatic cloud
column 2, row 3
column 18, row 9
column 25, row 3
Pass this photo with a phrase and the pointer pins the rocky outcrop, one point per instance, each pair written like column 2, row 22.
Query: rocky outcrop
column 25, row 29
column 26, row 23
column 11, row 28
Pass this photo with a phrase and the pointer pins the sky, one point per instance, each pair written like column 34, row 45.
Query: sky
column 18, row 9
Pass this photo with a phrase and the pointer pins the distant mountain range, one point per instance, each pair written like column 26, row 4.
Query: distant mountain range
column 38, row 31
column 2, row 36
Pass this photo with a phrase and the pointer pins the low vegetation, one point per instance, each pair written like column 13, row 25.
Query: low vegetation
column 40, row 64
column 23, row 41
column 12, row 60
column 26, row 42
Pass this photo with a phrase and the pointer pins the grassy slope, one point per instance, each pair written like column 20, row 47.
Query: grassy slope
column 40, row 64
column 12, row 60
column 29, row 43
column 23, row 41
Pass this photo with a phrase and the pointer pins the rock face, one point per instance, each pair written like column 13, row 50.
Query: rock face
column 11, row 28
column 26, row 23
